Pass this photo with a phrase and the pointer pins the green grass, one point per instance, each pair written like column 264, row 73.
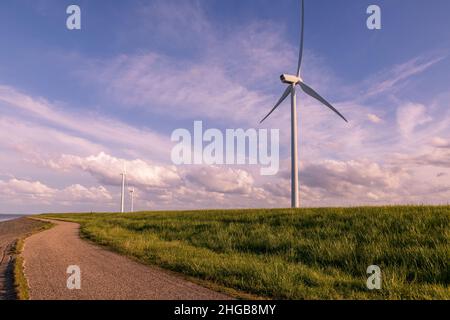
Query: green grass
column 290, row 254
column 20, row 281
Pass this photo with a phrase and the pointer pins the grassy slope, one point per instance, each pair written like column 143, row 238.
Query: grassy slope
column 287, row 254
column 20, row 281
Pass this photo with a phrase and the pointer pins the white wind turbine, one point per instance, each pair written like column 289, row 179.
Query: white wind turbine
column 292, row 81
column 132, row 199
column 122, row 195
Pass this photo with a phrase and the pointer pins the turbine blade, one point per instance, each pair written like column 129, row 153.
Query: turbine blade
column 309, row 91
column 283, row 97
column 302, row 33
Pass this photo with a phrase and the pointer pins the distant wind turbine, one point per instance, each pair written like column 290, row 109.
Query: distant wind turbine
column 132, row 199
column 122, row 195
column 292, row 81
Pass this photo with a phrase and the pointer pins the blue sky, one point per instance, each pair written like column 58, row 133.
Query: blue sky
column 76, row 104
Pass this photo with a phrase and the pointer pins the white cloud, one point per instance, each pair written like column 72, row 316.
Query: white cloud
column 374, row 118
column 107, row 169
column 36, row 192
column 439, row 142
column 410, row 116
column 78, row 129
column 439, row 157
column 354, row 180
column 79, row 193
column 26, row 189
column 185, row 91
column 166, row 183
column 397, row 76
column 221, row 180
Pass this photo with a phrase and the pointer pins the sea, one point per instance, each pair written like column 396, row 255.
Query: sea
column 6, row 217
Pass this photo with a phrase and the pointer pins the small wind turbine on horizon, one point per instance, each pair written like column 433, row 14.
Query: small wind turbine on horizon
column 292, row 81
column 132, row 199
column 122, row 195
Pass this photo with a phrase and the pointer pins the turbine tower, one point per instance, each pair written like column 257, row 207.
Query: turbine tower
column 293, row 81
column 122, row 195
column 132, row 199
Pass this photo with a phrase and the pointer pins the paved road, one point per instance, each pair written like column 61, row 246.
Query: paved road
column 104, row 275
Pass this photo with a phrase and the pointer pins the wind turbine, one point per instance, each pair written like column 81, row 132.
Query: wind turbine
column 132, row 199
column 122, row 195
column 293, row 81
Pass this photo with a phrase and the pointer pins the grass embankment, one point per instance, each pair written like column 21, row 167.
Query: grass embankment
column 291, row 254
column 20, row 281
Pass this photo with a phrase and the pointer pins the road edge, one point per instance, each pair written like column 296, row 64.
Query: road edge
column 20, row 281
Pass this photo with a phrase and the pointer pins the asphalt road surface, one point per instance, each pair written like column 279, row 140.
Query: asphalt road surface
column 104, row 275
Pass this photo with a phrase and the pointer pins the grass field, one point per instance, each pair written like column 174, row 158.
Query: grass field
column 291, row 254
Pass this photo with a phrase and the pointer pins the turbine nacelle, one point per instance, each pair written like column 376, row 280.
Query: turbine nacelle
column 290, row 79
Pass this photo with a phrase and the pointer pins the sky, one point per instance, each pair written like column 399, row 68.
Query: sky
column 78, row 105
